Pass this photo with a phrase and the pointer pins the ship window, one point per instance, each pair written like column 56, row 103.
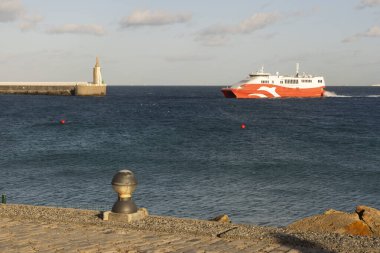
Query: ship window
column 280, row 81
column 291, row 81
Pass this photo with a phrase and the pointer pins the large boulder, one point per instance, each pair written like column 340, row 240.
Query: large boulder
column 371, row 217
column 333, row 222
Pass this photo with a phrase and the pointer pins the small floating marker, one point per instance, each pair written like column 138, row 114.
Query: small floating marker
column 62, row 122
column 242, row 126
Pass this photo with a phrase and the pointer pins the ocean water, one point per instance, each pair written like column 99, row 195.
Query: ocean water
column 295, row 158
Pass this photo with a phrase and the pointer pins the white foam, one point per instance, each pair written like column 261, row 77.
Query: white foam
column 333, row 94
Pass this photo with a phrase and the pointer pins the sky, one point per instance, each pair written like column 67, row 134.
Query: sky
column 197, row 42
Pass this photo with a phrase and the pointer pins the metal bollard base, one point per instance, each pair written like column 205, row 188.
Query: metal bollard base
column 132, row 217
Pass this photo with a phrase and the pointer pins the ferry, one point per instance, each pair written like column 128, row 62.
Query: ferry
column 265, row 85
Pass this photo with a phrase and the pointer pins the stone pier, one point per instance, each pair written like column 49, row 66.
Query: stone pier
column 96, row 88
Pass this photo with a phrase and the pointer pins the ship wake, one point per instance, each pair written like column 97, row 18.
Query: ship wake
column 332, row 94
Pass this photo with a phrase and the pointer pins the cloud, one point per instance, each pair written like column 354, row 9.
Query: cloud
column 14, row 11
column 30, row 22
column 89, row 29
column 10, row 10
column 368, row 3
column 373, row 32
column 189, row 58
column 217, row 35
column 154, row 18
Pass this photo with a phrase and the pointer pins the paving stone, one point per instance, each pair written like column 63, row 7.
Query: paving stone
column 294, row 251
column 28, row 235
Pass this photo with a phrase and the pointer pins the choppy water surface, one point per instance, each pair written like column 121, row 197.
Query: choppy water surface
column 296, row 157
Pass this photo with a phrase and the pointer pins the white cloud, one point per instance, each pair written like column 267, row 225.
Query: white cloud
column 14, row 11
column 218, row 34
column 154, row 18
column 10, row 10
column 350, row 39
column 368, row 3
column 89, row 29
column 373, row 32
column 258, row 21
column 189, row 58
column 30, row 22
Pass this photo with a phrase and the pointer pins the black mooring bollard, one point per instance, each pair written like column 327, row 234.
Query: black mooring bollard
column 3, row 199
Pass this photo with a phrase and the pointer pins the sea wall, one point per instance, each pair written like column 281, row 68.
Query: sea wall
column 90, row 90
column 52, row 88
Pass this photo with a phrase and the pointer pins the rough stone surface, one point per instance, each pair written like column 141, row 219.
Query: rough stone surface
column 331, row 211
column 53, row 88
column 371, row 217
column 333, row 222
column 142, row 213
column 90, row 90
column 45, row 229
column 36, row 89
column 222, row 218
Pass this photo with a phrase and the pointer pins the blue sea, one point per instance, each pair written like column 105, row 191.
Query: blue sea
column 295, row 158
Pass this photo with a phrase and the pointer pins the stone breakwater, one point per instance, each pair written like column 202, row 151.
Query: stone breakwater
column 35, row 229
column 53, row 88
column 96, row 88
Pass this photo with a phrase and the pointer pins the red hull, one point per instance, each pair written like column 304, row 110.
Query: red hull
column 271, row 91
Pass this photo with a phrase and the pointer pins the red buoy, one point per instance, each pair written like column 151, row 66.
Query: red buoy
column 242, row 126
column 62, row 121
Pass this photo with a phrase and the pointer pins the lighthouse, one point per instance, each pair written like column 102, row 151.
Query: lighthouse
column 97, row 74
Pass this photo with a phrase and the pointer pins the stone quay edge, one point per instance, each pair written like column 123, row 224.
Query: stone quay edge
column 24, row 227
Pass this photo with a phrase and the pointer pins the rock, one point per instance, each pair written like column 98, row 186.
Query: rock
column 330, row 211
column 371, row 216
column 333, row 222
column 222, row 218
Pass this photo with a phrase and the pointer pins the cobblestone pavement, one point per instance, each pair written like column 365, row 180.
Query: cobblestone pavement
column 38, row 236
column 26, row 228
